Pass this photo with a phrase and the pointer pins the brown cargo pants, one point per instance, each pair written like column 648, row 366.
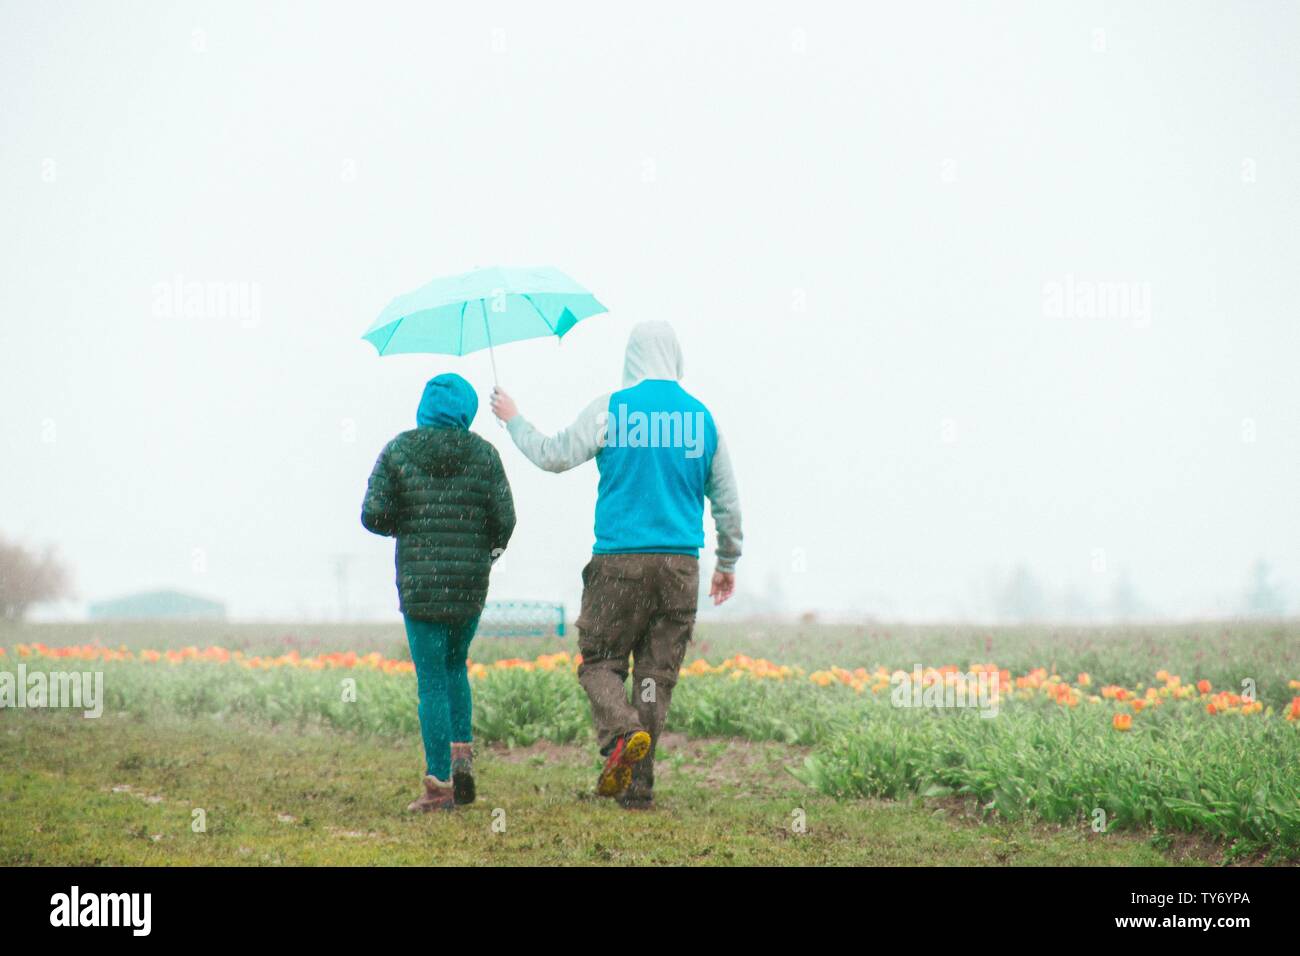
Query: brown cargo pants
column 643, row 606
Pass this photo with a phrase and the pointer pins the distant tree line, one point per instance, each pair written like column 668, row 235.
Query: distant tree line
column 1021, row 598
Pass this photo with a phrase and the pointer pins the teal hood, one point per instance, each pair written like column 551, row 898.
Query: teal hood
column 448, row 402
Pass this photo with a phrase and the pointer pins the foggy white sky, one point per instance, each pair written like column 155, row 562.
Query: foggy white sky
column 854, row 219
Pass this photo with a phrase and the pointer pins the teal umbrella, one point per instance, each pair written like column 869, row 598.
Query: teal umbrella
column 480, row 309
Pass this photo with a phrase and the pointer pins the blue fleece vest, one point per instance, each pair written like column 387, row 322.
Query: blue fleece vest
column 659, row 446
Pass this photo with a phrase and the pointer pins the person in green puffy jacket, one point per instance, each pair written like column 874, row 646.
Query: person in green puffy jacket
column 442, row 492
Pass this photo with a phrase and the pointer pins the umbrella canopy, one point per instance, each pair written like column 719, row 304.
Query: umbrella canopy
column 480, row 309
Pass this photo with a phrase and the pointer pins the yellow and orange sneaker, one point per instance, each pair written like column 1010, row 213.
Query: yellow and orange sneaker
column 617, row 773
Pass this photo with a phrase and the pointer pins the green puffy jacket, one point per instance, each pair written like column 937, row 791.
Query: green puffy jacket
column 444, row 495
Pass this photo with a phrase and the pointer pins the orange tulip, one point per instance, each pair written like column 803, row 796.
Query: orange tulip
column 1122, row 721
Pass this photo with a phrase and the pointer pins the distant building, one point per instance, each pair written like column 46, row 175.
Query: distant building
column 158, row 606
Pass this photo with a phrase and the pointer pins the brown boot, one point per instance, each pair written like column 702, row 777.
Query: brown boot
column 462, row 772
column 437, row 796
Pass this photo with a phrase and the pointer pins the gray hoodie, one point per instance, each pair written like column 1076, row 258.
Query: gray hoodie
column 653, row 352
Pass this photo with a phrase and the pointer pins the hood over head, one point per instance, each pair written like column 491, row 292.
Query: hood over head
column 448, row 402
column 652, row 352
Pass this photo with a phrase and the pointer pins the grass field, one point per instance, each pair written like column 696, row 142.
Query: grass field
column 798, row 765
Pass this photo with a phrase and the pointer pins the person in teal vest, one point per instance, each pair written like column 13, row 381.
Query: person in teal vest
column 441, row 491
column 660, row 455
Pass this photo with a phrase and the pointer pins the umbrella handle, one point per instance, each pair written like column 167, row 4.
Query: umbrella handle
column 495, row 386
column 491, row 352
column 495, row 383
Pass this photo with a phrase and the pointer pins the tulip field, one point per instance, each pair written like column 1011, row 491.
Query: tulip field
column 1154, row 738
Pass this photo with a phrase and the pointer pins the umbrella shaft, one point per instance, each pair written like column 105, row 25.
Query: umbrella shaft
column 487, row 328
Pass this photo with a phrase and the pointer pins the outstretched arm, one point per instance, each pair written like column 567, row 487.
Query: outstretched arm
column 567, row 448
column 724, row 502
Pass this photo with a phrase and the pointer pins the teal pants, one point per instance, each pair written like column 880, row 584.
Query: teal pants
column 439, row 650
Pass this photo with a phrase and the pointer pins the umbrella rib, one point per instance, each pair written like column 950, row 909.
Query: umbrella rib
column 530, row 301
column 460, row 349
column 396, row 326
